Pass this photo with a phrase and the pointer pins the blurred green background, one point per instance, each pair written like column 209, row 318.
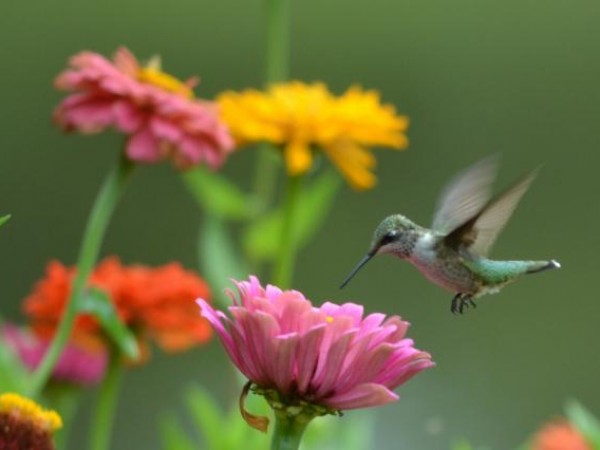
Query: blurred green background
column 516, row 77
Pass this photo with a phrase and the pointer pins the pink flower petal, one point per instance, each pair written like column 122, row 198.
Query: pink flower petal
column 346, row 310
column 215, row 317
column 165, row 130
column 143, row 147
column 88, row 113
column 258, row 330
column 78, row 364
column 282, row 367
column 364, row 366
column 326, row 375
column 126, row 62
column 308, row 356
column 362, row 396
column 128, row 118
column 249, row 366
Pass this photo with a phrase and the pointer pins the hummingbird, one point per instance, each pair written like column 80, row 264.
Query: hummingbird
column 453, row 252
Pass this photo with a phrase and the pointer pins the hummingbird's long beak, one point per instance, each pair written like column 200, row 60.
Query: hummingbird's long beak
column 365, row 259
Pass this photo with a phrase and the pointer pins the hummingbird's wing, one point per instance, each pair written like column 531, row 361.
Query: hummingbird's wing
column 480, row 232
column 465, row 195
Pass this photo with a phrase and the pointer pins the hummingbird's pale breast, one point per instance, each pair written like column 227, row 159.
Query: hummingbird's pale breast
column 441, row 265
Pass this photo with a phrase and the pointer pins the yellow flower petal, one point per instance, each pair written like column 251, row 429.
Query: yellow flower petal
column 298, row 158
column 299, row 116
column 164, row 81
column 354, row 163
column 28, row 410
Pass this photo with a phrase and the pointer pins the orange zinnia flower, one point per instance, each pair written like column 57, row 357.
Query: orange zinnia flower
column 560, row 435
column 156, row 303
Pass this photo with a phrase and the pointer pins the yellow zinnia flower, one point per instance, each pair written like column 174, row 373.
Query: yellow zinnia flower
column 303, row 117
column 24, row 424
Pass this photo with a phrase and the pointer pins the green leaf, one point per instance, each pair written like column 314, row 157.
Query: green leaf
column 261, row 240
column 206, row 416
column 172, row 435
column 217, row 257
column 525, row 446
column 462, row 445
column 354, row 431
column 4, row 219
column 241, row 434
column 97, row 303
column 219, row 430
column 216, row 195
column 584, row 421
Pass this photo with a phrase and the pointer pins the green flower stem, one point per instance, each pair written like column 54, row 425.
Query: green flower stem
column 288, row 429
column 284, row 268
column 107, row 402
column 277, row 62
column 65, row 399
column 277, row 26
column 265, row 178
column 97, row 223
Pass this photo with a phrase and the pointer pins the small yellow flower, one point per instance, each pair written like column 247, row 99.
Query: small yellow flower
column 153, row 74
column 24, row 424
column 303, row 118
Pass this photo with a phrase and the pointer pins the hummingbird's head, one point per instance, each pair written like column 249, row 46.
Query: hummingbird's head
column 395, row 234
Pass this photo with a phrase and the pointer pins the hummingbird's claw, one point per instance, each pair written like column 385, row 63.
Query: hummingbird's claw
column 460, row 302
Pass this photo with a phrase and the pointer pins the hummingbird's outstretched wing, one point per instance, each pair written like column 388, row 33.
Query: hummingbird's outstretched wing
column 465, row 195
column 480, row 232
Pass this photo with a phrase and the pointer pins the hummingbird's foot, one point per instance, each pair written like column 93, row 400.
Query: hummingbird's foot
column 460, row 302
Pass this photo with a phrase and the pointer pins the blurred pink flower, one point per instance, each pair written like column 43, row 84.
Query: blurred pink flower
column 82, row 362
column 330, row 356
column 157, row 111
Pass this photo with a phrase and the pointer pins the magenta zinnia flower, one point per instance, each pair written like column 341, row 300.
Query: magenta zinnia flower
column 329, row 356
column 82, row 361
column 157, row 112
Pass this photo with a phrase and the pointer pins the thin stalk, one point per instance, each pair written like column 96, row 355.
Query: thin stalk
column 277, row 62
column 106, row 404
column 277, row 44
column 284, row 268
column 288, row 430
column 65, row 399
column 97, row 224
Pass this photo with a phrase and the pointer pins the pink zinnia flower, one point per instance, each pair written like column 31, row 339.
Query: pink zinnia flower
column 329, row 356
column 157, row 111
column 83, row 361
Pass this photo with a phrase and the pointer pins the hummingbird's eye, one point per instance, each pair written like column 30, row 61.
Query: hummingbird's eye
column 389, row 237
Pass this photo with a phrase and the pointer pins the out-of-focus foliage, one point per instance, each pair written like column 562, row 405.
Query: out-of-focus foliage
column 262, row 238
column 220, row 430
column 98, row 304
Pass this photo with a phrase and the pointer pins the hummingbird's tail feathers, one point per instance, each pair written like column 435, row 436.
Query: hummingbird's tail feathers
column 540, row 266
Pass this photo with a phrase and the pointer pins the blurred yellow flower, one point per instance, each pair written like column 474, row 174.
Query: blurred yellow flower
column 302, row 118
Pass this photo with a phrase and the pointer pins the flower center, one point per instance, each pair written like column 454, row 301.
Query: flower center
column 152, row 74
column 329, row 319
column 30, row 411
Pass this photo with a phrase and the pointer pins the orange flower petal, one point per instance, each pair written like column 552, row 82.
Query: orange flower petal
column 159, row 303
